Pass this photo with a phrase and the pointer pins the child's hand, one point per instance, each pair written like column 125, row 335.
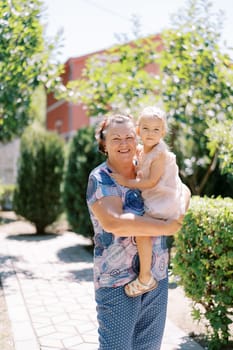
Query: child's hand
column 119, row 179
column 139, row 175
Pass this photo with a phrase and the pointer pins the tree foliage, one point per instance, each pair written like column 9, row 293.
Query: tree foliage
column 117, row 79
column 197, row 92
column 220, row 140
column 194, row 86
column 24, row 63
column 37, row 109
column 37, row 195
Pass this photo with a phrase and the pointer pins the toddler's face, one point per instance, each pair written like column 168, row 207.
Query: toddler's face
column 151, row 130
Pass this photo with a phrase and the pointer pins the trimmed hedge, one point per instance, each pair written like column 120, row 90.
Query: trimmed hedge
column 83, row 156
column 37, row 196
column 204, row 263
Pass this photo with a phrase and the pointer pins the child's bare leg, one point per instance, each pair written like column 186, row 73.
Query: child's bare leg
column 145, row 281
column 144, row 246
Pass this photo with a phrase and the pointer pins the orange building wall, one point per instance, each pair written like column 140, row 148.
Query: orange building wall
column 57, row 119
column 80, row 118
column 63, row 116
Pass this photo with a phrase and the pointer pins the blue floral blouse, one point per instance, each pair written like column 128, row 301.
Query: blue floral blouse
column 116, row 260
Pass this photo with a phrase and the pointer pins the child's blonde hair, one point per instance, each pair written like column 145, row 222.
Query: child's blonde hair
column 153, row 112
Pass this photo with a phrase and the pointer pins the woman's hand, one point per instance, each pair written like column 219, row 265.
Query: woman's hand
column 174, row 225
column 180, row 220
column 187, row 195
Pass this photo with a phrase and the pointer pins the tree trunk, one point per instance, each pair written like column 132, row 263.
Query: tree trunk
column 209, row 171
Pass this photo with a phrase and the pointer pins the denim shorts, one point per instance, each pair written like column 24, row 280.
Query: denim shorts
column 131, row 323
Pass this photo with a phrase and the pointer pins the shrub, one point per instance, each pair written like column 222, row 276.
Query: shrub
column 204, row 262
column 38, row 192
column 83, row 156
column 6, row 196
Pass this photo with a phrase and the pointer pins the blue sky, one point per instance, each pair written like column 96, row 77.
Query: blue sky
column 92, row 25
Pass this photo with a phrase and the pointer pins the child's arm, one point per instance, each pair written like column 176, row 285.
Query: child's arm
column 156, row 171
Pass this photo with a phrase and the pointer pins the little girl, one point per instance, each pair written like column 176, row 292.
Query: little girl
column 161, row 187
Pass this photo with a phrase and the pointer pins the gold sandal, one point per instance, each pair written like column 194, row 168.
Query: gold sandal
column 136, row 287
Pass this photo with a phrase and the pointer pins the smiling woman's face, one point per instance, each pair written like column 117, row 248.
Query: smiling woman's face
column 120, row 143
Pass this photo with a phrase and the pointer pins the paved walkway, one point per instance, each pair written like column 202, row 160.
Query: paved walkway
column 47, row 282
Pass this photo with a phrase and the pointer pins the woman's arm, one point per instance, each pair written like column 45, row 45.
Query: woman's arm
column 156, row 171
column 108, row 211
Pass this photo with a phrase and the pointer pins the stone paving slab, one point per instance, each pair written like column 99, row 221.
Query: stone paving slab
column 48, row 287
column 6, row 339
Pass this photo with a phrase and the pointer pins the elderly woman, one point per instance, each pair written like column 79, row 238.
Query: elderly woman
column 117, row 215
